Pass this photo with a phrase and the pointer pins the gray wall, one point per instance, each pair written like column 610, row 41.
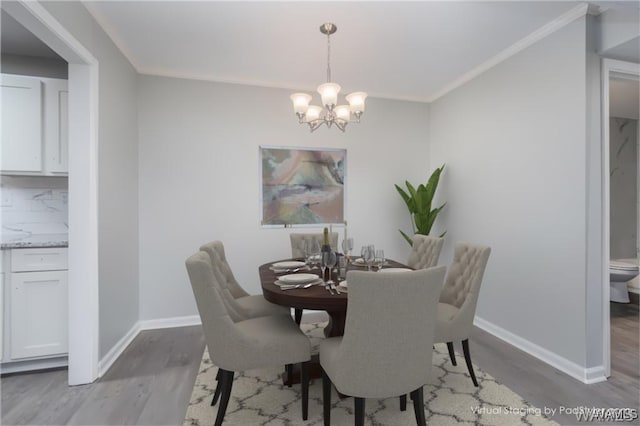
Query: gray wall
column 30, row 65
column 199, row 146
column 514, row 140
column 623, row 140
column 118, row 174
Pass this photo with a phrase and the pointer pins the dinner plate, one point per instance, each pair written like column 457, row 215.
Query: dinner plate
column 343, row 286
column 397, row 270
column 298, row 278
column 291, row 264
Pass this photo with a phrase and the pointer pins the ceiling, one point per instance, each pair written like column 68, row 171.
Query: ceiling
column 416, row 50
column 398, row 50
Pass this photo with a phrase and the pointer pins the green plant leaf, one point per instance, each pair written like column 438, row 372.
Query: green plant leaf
column 434, row 214
column 406, row 237
column 411, row 189
column 434, row 179
column 405, row 197
column 423, row 201
column 422, row 221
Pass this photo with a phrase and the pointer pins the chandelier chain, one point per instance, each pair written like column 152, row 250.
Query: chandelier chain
column 328, row 58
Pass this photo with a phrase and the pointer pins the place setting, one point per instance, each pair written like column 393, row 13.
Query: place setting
column 289, row 266
column 297, row 280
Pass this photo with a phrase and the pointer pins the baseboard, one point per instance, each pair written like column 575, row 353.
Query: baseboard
column 594, row 375
column 170, row 322
column 107, row 361
column 585, row 375
column 114, row 353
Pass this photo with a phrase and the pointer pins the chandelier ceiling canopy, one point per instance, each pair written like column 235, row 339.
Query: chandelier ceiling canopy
column 330, row 113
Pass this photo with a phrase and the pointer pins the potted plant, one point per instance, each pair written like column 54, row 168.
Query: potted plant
column 418, row 202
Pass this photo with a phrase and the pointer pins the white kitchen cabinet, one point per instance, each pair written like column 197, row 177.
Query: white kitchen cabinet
column 38, row 314
column 35, row 308
column 21, row 123
column 35, row 126
column 56, row 126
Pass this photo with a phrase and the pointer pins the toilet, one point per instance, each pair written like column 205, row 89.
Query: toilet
column 621, row 272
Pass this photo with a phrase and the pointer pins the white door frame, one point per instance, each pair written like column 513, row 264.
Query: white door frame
column 83, row 185
column 610, row 67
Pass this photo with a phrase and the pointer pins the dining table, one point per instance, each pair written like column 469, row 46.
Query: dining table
column 316, row 297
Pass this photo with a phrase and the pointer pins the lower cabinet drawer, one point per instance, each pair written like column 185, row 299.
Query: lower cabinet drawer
column 39, row 312
column 39, row 259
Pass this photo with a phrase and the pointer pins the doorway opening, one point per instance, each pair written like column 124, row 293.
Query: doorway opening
column 83, row 171
column 619, row 123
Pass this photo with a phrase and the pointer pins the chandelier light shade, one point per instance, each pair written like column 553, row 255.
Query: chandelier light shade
column 330, row 113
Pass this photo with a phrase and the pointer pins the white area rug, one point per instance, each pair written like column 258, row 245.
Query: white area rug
column 259, row 398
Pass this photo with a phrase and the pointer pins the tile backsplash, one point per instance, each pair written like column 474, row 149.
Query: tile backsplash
column 33, row 205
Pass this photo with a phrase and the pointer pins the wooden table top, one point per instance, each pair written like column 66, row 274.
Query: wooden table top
column 314, row 298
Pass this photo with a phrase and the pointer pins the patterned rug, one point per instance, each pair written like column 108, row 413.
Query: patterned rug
column 259, row 398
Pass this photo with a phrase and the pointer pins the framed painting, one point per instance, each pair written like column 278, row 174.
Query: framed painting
column 302, row 186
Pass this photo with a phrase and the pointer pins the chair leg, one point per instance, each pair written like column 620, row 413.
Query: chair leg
column 326, row 398
column 289, row 368
column 227, row 383
column 298, row 315
column 304, row 376
column 403, row 402
column 452, row 353
column 216, row 394
column 467, row 358
column 417, row 396
column 359, row 406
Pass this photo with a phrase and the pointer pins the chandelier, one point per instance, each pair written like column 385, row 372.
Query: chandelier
column 331, row 114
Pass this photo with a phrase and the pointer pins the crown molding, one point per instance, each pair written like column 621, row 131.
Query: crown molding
column 542, row 32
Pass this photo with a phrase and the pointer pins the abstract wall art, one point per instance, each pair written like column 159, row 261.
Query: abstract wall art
column 302, row 186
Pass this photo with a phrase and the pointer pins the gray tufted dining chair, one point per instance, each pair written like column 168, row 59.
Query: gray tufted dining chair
column 297, row 251
column 240, row 304
column 425, row 251
column 239, row 345
column 459, row 297
column 388, row 338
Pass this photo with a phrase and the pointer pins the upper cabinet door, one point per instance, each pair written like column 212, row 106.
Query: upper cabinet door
column 56, row 122
column 21, row 123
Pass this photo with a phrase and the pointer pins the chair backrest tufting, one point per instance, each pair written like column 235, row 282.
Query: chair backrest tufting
column 298, row 239
column 221, row 280
column 232, row 284
column 425, row 251
column 465, row 274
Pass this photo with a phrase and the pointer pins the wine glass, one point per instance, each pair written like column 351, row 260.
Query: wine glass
column 380, row 258
column 314, row 257
column 328, row 261
column 347, row 246
column 369, row 255
column 307, row 252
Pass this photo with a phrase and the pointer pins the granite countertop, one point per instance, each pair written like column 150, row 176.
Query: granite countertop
column 35, row 241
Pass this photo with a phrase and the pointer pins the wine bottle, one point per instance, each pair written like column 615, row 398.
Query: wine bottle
column 325, row 242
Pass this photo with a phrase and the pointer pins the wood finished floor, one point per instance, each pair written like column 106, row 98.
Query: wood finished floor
column 151, row 382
